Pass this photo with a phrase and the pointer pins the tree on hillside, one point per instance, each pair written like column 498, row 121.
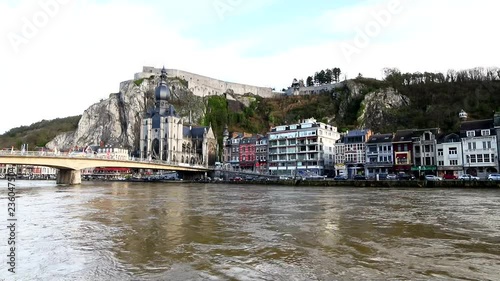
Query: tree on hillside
column 329, row 77
column 309, row 81
column 336, row 74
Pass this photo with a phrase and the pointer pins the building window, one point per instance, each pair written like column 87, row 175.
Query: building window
column 452, row 151
column 485, row 132
column 471, row 134
column 440, row 163
column 479, row 158
column 486, row 158
column 440, row 152
column 471, row 145
column 401, row 161
column 486, row 145
column 473, row 159
column 454, row 162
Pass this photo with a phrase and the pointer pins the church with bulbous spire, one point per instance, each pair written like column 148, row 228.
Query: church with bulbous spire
column 164, row 137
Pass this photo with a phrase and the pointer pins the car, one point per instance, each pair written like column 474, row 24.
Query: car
column 340, row 178
column 359, row 177
column 433, row 178
column 449, row 177
column 392, row 177
column 494, row 177
column 314, row 177
column 468, row 177
column 406, row 177
column 382, row 176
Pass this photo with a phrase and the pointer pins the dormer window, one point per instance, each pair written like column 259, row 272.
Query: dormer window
column 485, row 132
column 427, row 136
column 471, row 134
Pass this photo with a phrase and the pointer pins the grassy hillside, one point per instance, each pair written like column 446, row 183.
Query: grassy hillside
column 39, row 133
column 435, row 101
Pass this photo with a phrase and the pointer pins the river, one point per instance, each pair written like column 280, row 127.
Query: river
column 152, row 231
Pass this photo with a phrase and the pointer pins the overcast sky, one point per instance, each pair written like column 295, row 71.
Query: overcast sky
column 58, row 57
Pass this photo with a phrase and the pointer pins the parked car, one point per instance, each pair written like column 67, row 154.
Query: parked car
column 359, row 177
column 340, row 178
column 494, row 177
column 468, row 177
column 433, row 178
column 382, row 176
column 392, row 177
column 449, row 177
column 236, row 179
column 406, row 177
column 314, row 177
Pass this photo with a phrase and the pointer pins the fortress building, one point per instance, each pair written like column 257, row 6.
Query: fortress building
column 164, row 137
column 206, row 86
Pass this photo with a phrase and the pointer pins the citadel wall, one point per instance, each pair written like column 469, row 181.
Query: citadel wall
column 205, row 86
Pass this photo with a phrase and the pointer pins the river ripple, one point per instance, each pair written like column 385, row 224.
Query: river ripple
column 145, row 231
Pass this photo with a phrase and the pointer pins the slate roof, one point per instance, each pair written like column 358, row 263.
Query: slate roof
column 194, row 132
column 403, row 136
column 380, row 138
column 476, row 125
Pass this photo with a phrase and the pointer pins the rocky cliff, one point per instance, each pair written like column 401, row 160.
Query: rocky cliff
column 116, row 120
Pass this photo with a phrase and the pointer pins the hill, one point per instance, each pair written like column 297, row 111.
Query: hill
column 38, row 134
column 401, row 100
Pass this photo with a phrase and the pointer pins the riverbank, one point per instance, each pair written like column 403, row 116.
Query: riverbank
column 373, row 183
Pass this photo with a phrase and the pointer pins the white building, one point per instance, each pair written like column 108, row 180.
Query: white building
column 480, row 152
column 303, row 149
column 340, row 168
column 449, row 155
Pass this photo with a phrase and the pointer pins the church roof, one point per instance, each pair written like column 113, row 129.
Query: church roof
column 162, row 92
column 194, row 132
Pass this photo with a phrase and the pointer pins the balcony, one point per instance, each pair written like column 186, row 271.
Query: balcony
column 380, row 164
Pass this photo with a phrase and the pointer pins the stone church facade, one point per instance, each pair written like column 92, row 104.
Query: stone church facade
column 164, row 137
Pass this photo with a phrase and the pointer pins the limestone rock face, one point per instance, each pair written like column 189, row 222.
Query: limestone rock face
column 116, row 121
column 376, row 106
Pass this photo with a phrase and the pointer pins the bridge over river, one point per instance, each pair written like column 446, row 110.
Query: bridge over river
column 70, row 165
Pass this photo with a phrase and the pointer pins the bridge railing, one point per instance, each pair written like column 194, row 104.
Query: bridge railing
column 110, row 157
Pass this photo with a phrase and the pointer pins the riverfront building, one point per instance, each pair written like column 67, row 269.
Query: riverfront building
column 480, row 151
column 379, row 155
column 402, row 146
column 355, row 151
column 261, row 154
column 449, row 156
column 248, row 159
column 164, row 137
column 424, row 151
column 301, row 149
column 339, row 157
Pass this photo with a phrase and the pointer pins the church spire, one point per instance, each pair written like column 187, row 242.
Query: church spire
column 162, row 94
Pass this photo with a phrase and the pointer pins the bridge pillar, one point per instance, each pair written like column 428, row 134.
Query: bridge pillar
column 67, row 176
